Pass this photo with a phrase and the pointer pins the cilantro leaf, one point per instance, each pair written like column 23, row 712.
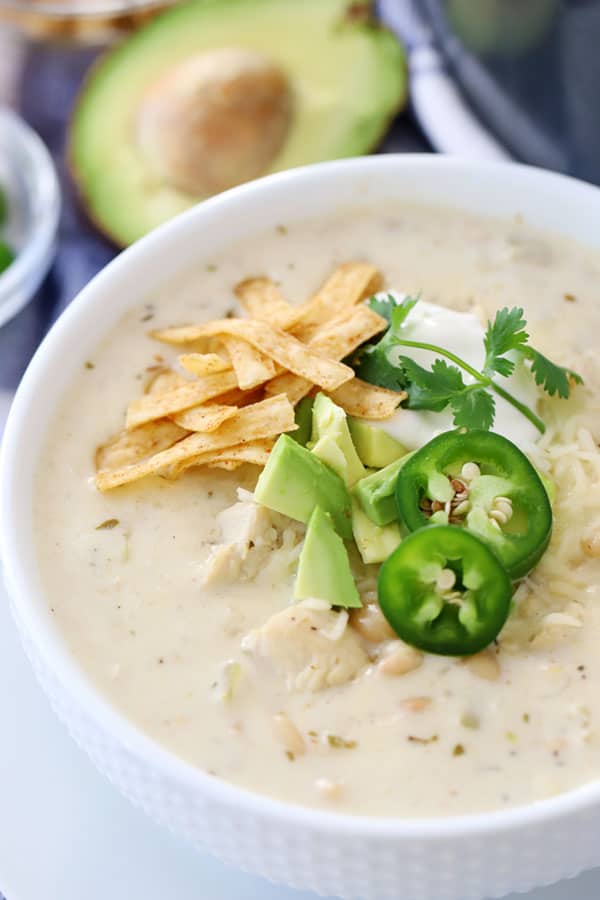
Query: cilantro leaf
column 395, row 311
column 383, row 306
column 552, row 378
column 372, row 364
column 505, row 333
column 400, row 313
column 474, row 409
column 431, row 389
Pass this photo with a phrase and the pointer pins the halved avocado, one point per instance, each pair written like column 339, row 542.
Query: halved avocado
column 215, row 92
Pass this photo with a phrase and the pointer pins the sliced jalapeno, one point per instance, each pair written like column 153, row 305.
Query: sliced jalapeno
column 444, row 591
column 481, row 481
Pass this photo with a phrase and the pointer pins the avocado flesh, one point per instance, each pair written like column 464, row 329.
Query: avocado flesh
column 324, row 571
column 376, row 493
column 375, row 446
column 331, row 441
column 294, row 481
column 348, row 80
column 374, row 542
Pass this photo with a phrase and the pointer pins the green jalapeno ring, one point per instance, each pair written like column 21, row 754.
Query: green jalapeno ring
column 509, row 478
column 452, row 616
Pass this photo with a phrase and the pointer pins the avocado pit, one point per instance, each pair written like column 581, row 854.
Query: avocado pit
column 215, row 120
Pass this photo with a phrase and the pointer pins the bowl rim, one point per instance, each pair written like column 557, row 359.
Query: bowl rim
column 64, row 667
column 33, row 260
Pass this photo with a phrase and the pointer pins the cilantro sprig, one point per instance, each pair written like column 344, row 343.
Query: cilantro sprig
column 473, row 405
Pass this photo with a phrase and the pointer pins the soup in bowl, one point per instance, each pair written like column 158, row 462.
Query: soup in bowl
column 300, row 525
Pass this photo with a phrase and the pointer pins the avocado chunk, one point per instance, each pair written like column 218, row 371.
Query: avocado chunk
column 294, row 481
column 375, row 446
column 324, row 568
column 211, row 94
column 375, row 493
column 374, row 542
column 331, row 440
column 303, row 417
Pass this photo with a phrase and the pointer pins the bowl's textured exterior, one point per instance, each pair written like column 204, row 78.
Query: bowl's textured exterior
column 465, row 858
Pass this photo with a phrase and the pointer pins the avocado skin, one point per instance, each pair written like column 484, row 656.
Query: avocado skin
column 323, row 567
column 375, row 446
column 124, row 201
column 294, row 482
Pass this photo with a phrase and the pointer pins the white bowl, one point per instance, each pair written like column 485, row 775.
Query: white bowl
column 29, row 179
column 461, row 858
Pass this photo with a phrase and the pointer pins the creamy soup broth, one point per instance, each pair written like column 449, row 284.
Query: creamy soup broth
column 130, row 603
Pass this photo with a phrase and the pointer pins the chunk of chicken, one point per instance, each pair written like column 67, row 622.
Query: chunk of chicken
column 246, row 526
column 311, row 648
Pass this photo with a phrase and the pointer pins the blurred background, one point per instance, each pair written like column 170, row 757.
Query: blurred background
column 169, row 117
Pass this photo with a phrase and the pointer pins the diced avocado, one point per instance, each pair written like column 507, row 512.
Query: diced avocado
column 324, row 568
column 375, row 446
column 375, row 493
column 303, row 416
column 212, row 93
column 294, row 481
column 331, row 440
column 374, row 542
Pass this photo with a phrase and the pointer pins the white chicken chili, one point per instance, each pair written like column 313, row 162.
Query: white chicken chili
column 243, row 630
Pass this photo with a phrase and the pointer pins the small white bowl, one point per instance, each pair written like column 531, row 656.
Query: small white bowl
column 460, row 858
column 28, row 178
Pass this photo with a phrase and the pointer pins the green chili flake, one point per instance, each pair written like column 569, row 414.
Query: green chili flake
column 281, row 229
column 89, row 365
column 570, row 298
column 458, row 750
column 290, row 755
column 512, row 737
column 340, row 743
column 526, row 718
column 107, row 525
column 211, row 267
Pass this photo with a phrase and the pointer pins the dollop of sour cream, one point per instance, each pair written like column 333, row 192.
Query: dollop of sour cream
column 462, row 333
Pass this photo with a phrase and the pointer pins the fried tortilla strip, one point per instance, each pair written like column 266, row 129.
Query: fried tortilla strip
column 334, row 339
column 130, row 447
column 254, row 452
column 261, row 420
column 346, row 286
column 288, row 352
column 205, row 418
column 263, row 300
column 161, row 379
column 367, row 401
column 200, row 364
column 192, row 393
column 250, row 365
